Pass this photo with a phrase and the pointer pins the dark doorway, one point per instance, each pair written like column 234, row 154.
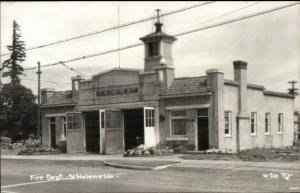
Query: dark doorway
column 134, row 128
column 202, row 119
column 92, row 135
column 53, row 132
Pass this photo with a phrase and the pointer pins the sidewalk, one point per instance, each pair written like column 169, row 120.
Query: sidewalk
column 205, row 164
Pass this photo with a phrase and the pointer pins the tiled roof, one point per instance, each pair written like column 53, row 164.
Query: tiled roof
column 158, row 35
column 188, row 86
column 60, row 98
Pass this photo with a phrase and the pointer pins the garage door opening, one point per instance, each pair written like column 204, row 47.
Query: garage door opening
column 133, row 128
column 92, row 132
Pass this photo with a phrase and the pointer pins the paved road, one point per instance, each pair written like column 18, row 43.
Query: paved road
column 15, row 178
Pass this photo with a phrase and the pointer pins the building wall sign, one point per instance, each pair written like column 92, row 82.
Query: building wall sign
column 116, row 91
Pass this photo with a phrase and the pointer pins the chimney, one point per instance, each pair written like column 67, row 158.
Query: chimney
column 240, row 75
column 165, row 77
column 46, row 93
column 215, row 83
column 75, row 87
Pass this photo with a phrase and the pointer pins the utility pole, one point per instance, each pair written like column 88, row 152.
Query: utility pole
column 119, row 54
column 39, row 131
column 293, row 90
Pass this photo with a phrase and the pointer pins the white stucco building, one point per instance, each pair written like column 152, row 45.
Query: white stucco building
column 121, row 108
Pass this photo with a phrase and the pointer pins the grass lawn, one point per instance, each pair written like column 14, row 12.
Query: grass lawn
column 146, row 163
column 279, row 155
column 211, row 156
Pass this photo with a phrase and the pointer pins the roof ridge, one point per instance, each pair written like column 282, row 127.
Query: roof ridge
column 186, row 77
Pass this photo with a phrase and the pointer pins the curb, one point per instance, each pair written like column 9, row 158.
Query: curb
column 166, row 166
column 139, row 167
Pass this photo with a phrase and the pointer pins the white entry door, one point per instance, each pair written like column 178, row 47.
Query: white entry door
column 149, row 126
column 102, row 127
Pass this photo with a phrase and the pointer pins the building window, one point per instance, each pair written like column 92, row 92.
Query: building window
column 149, row 117
column 113, row 119
column 267, row 123
column 74, row 121
column 280, row 123
column 64, row 126
column 228, row 123
column 153, row 48
column 178, row 122
column 253, row 123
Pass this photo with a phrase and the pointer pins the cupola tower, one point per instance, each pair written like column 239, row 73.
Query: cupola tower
column 158, row 47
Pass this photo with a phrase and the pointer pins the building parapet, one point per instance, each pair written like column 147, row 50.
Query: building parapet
column 249, row 85
column 278, row 94
column 118, row 69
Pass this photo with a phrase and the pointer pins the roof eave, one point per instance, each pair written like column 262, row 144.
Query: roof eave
column 152, row 37
column 185, row 95
column 57, row 105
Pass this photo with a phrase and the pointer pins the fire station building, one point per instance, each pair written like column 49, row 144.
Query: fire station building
column 122, row 108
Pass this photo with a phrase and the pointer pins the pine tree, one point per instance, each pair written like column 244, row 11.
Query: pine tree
column 18, row 55
column 18, row 110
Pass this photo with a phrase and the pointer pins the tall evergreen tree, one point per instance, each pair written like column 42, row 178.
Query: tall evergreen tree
column 12, row 65
column 18, row 108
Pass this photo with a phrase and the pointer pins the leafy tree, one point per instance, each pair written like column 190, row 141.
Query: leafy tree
column 18, row 55
column 18, row 111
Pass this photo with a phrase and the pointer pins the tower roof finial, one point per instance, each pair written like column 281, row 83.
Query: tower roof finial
column 158, row 24
column 157, row 16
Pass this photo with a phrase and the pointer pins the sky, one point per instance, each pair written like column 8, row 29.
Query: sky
column 269, row 43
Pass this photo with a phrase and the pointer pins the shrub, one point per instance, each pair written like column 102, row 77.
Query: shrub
column 178, row 146
column 5, row 140
column 151, row 151
column 29, row 149
column 62, row 146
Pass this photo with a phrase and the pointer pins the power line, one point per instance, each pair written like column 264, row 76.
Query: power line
column 228, row 13
column 89, row 56
column 180, row 34
column 111, row 28
column 72, row 69
column 239, row 19
column 45, row 81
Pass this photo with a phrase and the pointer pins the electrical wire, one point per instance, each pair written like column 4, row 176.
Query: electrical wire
column 88, row 56
column 111, row 28
column 45, row 81
column 177, row 35
column 239, row 19
column 227, row 13
column 72, row 69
